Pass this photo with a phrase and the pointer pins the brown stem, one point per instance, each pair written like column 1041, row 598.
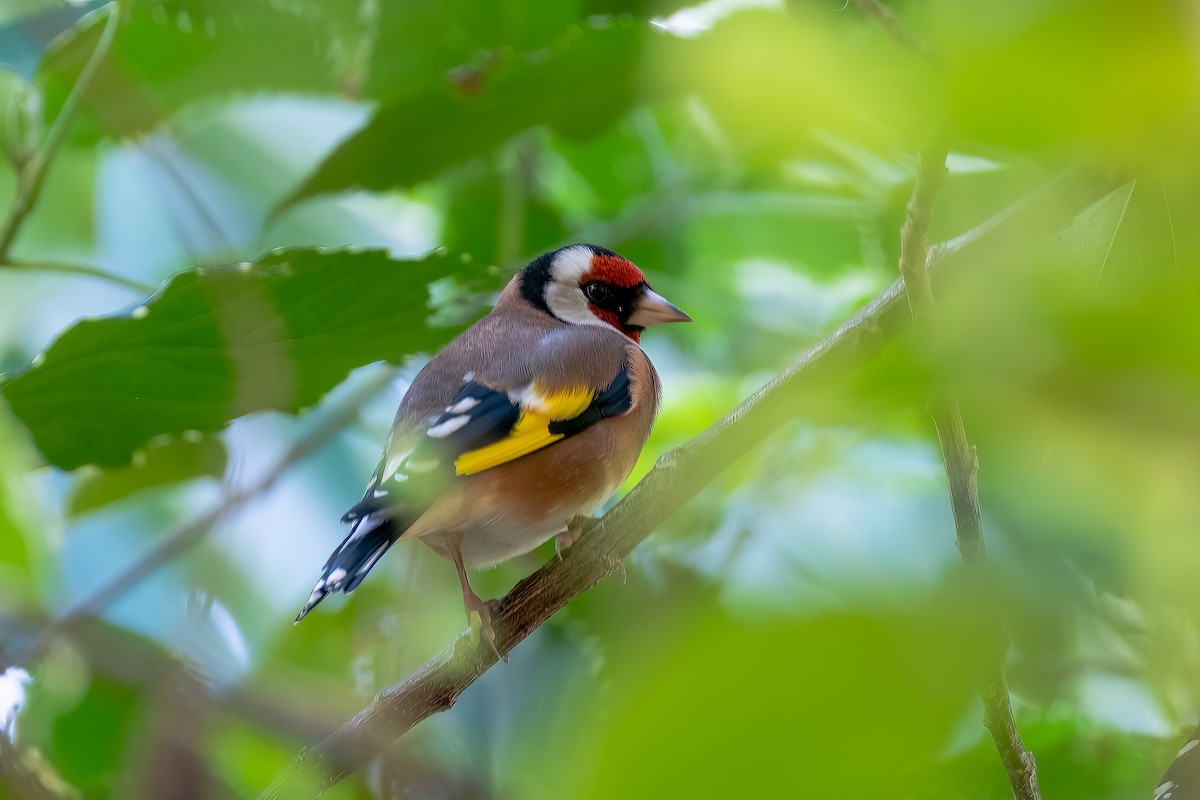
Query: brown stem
column 85, row 270
column 33, row 176
column 962, row 465
column 894, row 26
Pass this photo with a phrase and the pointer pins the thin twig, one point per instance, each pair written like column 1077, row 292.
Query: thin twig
column 894, row 27
column 81, row 269
column 33, row 176
column 962, row 465
column 17, row 777
column 958, row 455
column 676, row 478
column 172, row 544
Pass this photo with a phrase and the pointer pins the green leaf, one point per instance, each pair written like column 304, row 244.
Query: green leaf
column 432, row 41
column 163, row 463
column 579, row 86
column 22, row 539
column 87, row 741
column 643, row 9
column 220, row 343
column 1090, row 238
column 169, row 53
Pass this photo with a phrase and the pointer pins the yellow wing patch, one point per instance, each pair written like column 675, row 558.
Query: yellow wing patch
column 532, row 431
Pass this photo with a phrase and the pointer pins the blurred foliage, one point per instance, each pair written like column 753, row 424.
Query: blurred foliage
column 170, row 54
column 477, row 108
column 171, row 461
column 315, row 186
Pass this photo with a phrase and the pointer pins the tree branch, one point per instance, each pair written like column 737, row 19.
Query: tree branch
column 894, row 27
column 962, row 465
column 81, row 269
column 282, row 711
column 676, row 478
column 33, row 176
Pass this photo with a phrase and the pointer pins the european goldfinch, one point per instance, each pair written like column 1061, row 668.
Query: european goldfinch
column 530, row 418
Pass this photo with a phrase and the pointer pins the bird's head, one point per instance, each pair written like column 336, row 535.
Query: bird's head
column 584, row 284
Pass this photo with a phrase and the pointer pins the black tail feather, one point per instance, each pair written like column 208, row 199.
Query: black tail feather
column 368, row 540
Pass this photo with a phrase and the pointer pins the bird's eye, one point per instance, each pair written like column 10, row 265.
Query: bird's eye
column 597, row 293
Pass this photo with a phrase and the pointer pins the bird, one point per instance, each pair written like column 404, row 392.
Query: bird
column 525, row 423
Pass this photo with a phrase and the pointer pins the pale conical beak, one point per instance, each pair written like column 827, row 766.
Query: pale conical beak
column 652, row 308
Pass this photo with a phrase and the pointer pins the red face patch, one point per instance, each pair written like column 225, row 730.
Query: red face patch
column 611, row 318
column 615, row 270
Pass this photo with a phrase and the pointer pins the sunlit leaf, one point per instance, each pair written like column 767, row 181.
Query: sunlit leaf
column 778, row 82
column 1030, row 74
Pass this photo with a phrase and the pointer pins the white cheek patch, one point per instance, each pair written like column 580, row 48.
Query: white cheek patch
column 568, row 304
column 563, row 295
column 571, row 264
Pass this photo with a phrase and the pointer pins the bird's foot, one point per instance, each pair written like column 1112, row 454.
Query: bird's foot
column 619, row 565
column 479, row 617
column 576, row 528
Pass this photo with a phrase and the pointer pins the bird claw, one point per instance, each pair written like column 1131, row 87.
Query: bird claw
column 479, row 617
column 618, row 564
column 576, row 528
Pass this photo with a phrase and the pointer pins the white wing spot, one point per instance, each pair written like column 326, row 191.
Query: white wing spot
column 467, row 378
column 529, row 398
column 1187, row 748
column 463, row 406
column 370, row 562
column 1164, row 790
column 393, row 464
column 141, row 312
column 337, row 576
column 448, row 427
column 523, row 396
column 12, row 696
column 379, row 493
